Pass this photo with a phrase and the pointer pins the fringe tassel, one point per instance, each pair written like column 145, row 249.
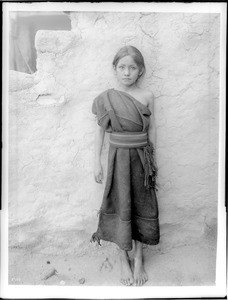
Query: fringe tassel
column 150, row 168
column 95, row 238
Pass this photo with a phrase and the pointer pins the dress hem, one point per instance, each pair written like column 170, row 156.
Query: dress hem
column 97, row 238
column 137, row 217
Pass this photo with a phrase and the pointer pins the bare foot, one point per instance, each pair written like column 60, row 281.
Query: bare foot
column 126, row 273
column 140, row 275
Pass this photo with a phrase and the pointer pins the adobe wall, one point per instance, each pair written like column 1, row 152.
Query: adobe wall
column 53, row 199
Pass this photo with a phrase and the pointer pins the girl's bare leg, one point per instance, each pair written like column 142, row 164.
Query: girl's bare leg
column 126, row 273
column 140, row 276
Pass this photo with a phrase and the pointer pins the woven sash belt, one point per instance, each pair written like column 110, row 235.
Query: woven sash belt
column 128, row 139
column 138, row 140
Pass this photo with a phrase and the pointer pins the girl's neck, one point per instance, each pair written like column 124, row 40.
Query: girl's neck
column 124, row 88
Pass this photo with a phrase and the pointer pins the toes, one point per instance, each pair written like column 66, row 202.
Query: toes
column 140, row 281
column 144, row 279
column 127, row 282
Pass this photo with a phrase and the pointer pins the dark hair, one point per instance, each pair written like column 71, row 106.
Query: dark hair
column 134, row 53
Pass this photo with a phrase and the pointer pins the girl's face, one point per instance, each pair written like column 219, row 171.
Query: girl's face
column 127, row 71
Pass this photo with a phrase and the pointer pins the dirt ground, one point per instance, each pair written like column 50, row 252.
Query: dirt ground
column 181, row 266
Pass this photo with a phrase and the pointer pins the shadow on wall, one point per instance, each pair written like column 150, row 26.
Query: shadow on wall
column 23, row 28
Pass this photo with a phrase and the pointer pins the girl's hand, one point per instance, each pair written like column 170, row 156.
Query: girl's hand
column 98, row 173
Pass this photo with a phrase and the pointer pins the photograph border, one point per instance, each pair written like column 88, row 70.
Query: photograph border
column 96, row 292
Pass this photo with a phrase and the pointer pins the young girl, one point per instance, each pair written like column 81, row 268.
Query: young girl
column 129, row 210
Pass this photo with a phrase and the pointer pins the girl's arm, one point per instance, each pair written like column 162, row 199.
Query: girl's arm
column 99, row 139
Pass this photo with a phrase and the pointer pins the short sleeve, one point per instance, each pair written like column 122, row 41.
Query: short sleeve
column 99, row 109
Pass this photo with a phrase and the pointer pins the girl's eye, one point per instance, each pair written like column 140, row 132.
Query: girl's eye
column 121, row 67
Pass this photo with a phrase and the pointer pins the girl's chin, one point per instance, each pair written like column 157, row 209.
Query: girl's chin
column 127, row 82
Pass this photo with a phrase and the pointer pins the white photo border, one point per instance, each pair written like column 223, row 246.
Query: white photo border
column 83, row 292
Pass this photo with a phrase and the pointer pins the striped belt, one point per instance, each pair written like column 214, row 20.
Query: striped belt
column 128, row 139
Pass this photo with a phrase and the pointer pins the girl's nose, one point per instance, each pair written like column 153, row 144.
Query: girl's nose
column 126, row 71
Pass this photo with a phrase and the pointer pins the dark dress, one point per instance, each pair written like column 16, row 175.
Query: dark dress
column 129, row 210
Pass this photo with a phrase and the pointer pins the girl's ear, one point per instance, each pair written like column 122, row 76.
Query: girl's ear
column 141, row 72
